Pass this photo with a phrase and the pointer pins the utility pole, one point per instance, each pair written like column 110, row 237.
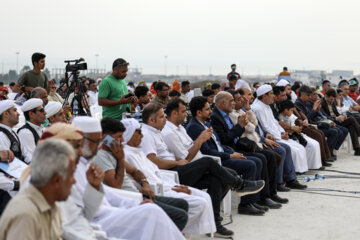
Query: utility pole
column 96, row 56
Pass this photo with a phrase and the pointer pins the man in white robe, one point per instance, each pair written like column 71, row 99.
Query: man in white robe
column 268, row 123
column 200, row 213
column 120, row 217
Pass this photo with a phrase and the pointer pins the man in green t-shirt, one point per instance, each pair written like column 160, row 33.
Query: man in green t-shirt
column 35, row 78
column 113, row 90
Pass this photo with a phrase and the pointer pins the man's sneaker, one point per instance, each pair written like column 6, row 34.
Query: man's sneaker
column 250, row 187
column 222, row 232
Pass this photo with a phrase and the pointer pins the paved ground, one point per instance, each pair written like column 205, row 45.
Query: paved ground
column 309, row 214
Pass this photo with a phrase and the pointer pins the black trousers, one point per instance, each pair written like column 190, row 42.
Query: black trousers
column 206, row 173
column 175, row 208
column 354, row 129
column 4, row 199
column 332, row 136
column 268, row 172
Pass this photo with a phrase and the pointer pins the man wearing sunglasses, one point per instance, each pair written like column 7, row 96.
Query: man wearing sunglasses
column 113, row 92
column 30, row 133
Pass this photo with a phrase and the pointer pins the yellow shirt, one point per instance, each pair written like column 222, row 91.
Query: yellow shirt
column 28, row 216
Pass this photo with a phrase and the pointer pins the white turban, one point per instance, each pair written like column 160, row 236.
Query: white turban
column 6, row 105
column 52, row 108
column 87, row 124
column 31, row 104
column 282, row 83
column 263, row 89
column 131, row 125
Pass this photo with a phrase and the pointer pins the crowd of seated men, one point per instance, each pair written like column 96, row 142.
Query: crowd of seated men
column 77, row 171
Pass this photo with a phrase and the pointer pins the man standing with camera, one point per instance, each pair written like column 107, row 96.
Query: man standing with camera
column 113, row 93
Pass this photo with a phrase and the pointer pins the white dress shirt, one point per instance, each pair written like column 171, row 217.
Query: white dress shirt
column 178, row 141
column 5, row 143
column 27, row 140
column 153, row 142
column 93, row 97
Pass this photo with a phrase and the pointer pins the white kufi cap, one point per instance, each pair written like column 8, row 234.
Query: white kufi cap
column 31, row 104
column 263, row 89
column 131, row 125
column 282, row 83
column 52, row 108
column 87, row 124
column 6, row 105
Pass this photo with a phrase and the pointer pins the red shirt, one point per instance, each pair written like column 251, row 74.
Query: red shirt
column 353, row 95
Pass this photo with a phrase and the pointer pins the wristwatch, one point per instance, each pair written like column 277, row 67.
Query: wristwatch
column 143, row 180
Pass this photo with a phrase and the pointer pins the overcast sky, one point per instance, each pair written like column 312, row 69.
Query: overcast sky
column 261, row 36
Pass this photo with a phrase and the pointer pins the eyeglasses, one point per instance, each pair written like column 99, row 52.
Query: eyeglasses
column 138, row 131
column 53, row 87
column 97, row 142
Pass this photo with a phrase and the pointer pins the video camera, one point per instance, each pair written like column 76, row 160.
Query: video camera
column 76, row 66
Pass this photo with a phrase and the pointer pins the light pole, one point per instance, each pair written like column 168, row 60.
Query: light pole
column 165, row 57
column 17, row 62
column 96, row 56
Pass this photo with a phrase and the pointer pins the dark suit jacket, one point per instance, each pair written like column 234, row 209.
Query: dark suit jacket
column 325, row 108
column 308, row 111
column 225, row 134
column 194, row 129
column 275, row 111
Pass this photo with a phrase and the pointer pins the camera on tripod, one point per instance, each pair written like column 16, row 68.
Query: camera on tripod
column 76, row 66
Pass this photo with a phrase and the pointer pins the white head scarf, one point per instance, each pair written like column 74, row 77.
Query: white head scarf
column 131, row 125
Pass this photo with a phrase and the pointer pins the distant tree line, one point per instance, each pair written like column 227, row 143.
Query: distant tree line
column 13, row 76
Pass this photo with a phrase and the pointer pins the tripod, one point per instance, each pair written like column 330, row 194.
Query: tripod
column 78, row 89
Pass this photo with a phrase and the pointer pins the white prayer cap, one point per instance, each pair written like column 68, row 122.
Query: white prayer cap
column 31, row 104
column 263, row 89
column 87, row 124
column 131, row 125
column 282, row 83
column 241, row 83
column 52, row 108
column 6, row 105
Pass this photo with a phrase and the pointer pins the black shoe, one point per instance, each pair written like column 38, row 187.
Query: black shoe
column 294, row 184
column 331, row 159
column 278, row 199
column 249, row 209
column 282, row 188
column 250, row 187
column 321, row 168
column 326, row 164
column 357, row 152
column 270, row 203
column 258, row 206
column 222, row 232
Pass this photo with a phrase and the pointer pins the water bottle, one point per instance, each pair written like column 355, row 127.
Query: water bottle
column 308, row 179
column 319, row 176
column 137, row 112
column 75, row 107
